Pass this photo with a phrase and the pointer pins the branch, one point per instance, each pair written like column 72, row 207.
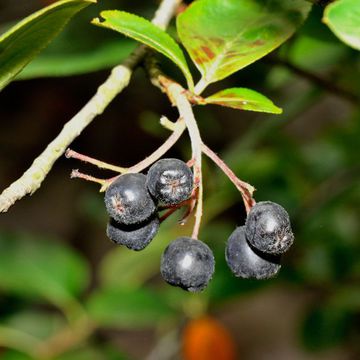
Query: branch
column 71, row 154
column 119, row 78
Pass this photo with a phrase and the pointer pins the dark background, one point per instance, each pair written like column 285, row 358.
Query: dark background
column 305, row 159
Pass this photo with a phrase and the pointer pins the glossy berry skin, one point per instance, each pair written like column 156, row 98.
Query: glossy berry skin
column 128, row 201
column 246, row 262
column 268, row 228
column 187, row 263
column 135, row 237
column 170, row 181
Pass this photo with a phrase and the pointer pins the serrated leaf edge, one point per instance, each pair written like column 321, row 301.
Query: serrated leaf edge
column 100, row 22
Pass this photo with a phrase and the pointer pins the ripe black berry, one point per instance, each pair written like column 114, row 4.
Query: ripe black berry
column 268, row 228
column 170, row 181
column 187, row 263
column 246, row 262
column 128, row 201
column 135, row 237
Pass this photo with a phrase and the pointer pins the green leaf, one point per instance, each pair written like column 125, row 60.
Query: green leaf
column 41, row 267
column 144, row 31
column 224, row 36
column 80, row 48
column 243, row 99
column 24, row 41
column 128, row 309
column 67, row 63
column 343, row 18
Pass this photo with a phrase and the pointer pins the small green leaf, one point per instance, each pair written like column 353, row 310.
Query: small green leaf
column 224, row 36
column 41, row 267
column 24, row 41
column 127, row 308
column 243, row 99
column 144, row 31
column 343, row 18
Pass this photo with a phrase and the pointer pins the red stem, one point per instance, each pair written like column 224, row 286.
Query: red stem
column 76, row 174
column 245, row 189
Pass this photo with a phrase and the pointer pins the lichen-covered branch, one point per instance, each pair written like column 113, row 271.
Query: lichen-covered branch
column 119, row 78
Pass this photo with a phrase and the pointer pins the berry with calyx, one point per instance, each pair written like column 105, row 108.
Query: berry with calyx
column 246, row 262
column 187, row 263
column 170, row 181
column 268, row 228
column 128, row 201
column 135, row 237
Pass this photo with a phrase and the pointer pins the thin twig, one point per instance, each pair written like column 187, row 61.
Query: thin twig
column 179, row 128
column 71, row 154
column 245, row 189
column 119, row 78
column 76, row 174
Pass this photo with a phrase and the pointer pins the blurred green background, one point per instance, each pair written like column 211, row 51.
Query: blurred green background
column 66, row 292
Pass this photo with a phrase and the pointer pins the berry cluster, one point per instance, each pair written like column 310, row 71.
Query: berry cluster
column 254, row 250
column 133, row 201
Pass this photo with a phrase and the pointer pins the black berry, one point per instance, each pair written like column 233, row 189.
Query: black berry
column 170, row 181
column 135, row 237
column 246, row 262
column 128, row 201
column 187, row 263
column 268, row 228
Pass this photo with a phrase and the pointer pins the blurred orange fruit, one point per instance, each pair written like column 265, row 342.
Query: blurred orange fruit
column 206, row 339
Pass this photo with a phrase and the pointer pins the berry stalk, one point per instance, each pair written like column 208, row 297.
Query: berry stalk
column 71, row 154
column 178, row 95
column 245, row 189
